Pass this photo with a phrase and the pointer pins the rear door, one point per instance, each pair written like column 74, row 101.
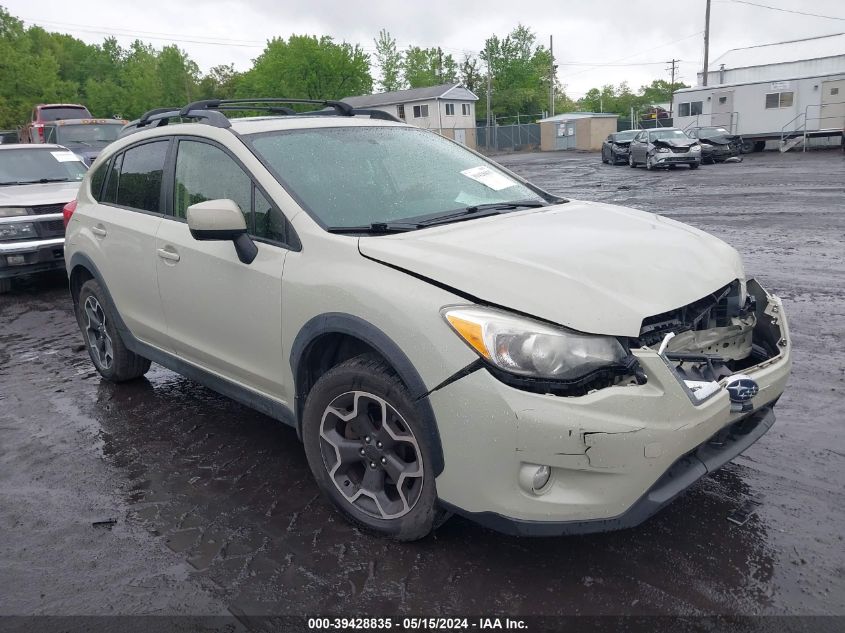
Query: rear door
column 123, row 226
column 223, row 315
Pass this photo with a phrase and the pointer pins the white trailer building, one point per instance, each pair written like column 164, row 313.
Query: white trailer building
column 788, row 92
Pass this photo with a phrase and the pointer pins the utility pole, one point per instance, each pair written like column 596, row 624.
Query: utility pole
column 489, row 94
column 439, row 64
column 706, row 42
column 674, row 66
column 551, row 77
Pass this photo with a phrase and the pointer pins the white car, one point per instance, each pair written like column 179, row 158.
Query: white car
column 36, row 181
column 443, row 335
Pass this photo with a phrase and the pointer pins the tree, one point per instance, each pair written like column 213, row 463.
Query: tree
column 389, row 61
column 219, row 83
column 660, row 91
column 305, row 66
column 428, row 67
column 470, row 74
column 520, row 71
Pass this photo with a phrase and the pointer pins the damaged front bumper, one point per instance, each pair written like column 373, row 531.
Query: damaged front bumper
column 615, row 456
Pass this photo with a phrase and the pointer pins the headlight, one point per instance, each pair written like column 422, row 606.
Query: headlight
column 6, row 212
column 663, row 150
column 697, row 148
column 530, row 348
column 18, row 230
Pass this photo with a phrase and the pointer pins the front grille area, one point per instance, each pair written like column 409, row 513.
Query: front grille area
column 51, row 228
column 44, row 209
column 714, row 310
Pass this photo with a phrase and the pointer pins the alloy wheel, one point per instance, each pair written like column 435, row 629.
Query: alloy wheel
column 371, row 455
column 99, row 340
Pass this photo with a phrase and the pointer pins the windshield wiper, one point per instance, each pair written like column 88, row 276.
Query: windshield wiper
column 376, row 228
column 476, row 208
column 34, row 182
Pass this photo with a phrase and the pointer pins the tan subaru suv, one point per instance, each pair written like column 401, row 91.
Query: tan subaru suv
column 444, row 336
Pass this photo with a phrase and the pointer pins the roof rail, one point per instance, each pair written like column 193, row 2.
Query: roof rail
column 274, row 105
column 211, row 111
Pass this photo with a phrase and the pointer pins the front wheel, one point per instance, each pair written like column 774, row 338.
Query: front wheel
column 369, row 450
column 694, row 165
column 5, row 286
column 631, row 161
column 96, row 318
column 649, row 164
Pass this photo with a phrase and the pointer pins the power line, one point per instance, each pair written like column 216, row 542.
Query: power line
column 766, row 6
column 141, row 35
column 622, row 59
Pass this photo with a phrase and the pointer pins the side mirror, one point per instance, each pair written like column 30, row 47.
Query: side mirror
column 222, row 220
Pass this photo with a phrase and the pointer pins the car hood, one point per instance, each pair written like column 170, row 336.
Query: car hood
column 42, row 193
column 592, row 267
column 674, row 142
column 720, row 139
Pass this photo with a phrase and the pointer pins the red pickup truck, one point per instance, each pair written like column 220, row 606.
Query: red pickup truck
column 33, row 132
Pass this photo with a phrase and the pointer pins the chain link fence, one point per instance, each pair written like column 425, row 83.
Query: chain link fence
column 525, row 136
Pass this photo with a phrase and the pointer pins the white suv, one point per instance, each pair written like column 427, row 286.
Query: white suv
column 443, row 335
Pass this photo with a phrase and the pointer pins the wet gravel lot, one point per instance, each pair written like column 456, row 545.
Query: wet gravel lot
column 216, row 511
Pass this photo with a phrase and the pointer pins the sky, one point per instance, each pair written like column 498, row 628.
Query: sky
column 596, row 42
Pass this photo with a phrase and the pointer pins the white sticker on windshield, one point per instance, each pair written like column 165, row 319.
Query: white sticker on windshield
column 65, row 157
column 489, row 178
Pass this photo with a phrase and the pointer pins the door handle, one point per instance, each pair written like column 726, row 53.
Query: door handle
column 98, row 230
column 172, row 256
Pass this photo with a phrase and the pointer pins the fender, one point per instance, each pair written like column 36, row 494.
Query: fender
column 341, row 323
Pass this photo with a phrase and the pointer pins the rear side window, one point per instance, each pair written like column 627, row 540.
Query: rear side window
column 97, row 180
column 139, row 184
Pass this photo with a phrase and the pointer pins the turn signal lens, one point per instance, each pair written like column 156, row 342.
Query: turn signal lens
column 471, row 333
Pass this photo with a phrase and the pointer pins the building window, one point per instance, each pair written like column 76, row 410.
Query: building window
column 692, row 108
column 450, row 109
column 420, row 111
column 400, row 111
column 465, row 109
column 723, row 100
column 834, row 91
column 778, row 100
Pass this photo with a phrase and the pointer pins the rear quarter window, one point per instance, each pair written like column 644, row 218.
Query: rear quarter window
column 139, row 183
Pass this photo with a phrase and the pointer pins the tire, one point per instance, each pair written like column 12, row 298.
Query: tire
column 648, row 163
column 96, row 318
column 759, row 146
column 614, row 159
column 603, row 159
column 5, row 286
column 694, row 165
column 631, row 162
column 747, row 147
column 358, row 460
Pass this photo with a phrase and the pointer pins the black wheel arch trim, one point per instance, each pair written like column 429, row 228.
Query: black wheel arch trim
column 342, row 323
column 254, row 400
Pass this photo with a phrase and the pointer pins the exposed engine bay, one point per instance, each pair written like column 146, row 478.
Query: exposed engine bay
column 717, row 336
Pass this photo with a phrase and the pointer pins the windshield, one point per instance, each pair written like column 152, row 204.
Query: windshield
column 64, row 112
column 666, row 135
column 29, row 166
column 712, row 130
column 625, row 136
column 83, row 133
column 357, row 176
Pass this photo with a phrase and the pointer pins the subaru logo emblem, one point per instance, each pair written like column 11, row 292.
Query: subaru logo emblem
column 741, row 388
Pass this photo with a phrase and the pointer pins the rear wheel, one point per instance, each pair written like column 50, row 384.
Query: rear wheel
column 96, row 318
column 759, row 146
column 368, row 449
